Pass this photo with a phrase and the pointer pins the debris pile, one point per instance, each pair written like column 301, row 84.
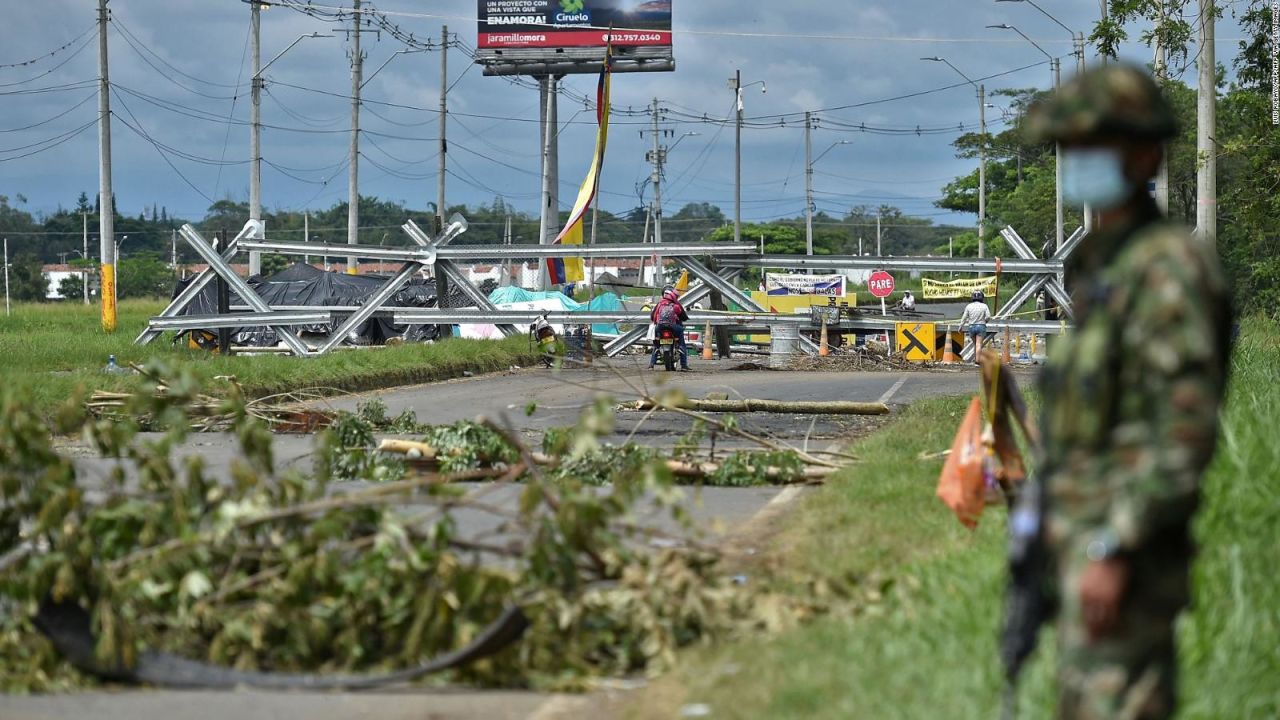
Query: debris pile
column 283, row 579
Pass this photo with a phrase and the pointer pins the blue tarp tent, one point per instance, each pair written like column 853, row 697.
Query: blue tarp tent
column 607, row 302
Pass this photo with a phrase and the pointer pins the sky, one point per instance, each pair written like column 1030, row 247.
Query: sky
column 181, row 70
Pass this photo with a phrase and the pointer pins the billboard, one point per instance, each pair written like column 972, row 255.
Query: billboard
column 557, row 24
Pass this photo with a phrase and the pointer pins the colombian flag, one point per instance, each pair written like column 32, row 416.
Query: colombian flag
column 569, row 270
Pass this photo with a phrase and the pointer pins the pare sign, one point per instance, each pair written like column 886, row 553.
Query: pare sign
column 880, row 284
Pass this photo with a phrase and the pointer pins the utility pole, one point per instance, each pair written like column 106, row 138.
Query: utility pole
column 84, row 276
column 504, row 279
column 173, row 250
column 1059, row 216
column 808, row 183
column 878, row 252
column 737, row 157
column 106, row 214
column 982, row 172
column 7, row 310
column 444, row 109
column 353, row 181
column 1102, row 57
column 255, row 131
column 442, row 280
column 657, row 156
column 306, row 235
column 1162, row 173
column 1206, row 130
column 546, row 87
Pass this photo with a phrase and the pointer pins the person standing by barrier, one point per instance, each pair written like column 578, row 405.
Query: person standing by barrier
column 1131, row 400
column 973, row 322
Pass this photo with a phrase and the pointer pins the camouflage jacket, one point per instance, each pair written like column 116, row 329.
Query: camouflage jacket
column 1132, row 394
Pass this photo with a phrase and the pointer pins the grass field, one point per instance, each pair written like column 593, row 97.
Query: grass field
column 56, row 348
column 927, row 647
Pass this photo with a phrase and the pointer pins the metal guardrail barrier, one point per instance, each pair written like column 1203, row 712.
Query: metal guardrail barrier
column 439, row 253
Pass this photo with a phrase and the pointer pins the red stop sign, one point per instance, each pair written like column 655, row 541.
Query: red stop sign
column 880, row 284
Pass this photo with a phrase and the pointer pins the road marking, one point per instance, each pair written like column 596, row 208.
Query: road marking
column 896, row 387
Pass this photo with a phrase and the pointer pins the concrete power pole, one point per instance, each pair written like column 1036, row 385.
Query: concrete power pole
column 1162, row 174
column 657, row 157
column 808, row 183
column 444, row 109
column 1206, row 131
column 106, row 214
column 546, row 88
column 878, row 237
column 737, row 157
column 442, row 281
column 353, row 179
column 982, row 172
column 255, row 130
column 84, row 276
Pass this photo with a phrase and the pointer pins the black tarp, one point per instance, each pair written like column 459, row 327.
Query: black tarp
column 302, row 285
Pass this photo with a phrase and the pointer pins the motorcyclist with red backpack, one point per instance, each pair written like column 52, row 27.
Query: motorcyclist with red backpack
column 670, row 313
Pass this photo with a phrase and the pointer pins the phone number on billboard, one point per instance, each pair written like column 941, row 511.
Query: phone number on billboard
column 632, row 37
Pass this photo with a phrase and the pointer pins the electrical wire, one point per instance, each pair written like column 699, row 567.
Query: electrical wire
column 77, row 85
column 46, row 121
column 51, row 53
column 47, row 143
column 53, row 69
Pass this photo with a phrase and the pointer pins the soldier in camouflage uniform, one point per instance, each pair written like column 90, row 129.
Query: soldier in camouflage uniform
column 1131, row 400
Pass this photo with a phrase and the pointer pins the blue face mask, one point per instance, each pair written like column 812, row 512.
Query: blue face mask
column 1094, row 176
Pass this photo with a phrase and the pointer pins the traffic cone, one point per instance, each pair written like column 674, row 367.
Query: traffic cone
column 706, row 341
column 1004, row 350
column 948, row 355
column 823, row 350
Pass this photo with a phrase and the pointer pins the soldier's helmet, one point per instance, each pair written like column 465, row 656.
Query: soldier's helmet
column 1116, row 102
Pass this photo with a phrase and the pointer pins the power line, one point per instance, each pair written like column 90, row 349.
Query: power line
column 53, row 69
column 313, row 7
column 52, row 52
column 48, row 143
column 55, row 117
column 77, row 85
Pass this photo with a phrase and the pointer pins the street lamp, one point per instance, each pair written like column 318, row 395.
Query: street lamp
column 735, row 84
column 1077, row 41
column 115, row 288
column 982, row 154
column 1056, row 67
column 682, row 137
column 808, row 191
column 255, row 129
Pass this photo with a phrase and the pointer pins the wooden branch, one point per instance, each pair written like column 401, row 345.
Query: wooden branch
column 797, row 407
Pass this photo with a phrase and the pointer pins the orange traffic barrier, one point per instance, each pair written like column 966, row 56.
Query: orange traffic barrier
column 1004, row 351
column 706, row 342
column 823, row 349
column 948, row 355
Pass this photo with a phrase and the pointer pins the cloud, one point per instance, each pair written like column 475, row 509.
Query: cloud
column 493, row 131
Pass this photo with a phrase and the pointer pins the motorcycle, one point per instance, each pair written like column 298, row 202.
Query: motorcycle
column 668, row 347
column 544, row 335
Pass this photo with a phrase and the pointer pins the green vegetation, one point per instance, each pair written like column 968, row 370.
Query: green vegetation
column 57, row 349
column 927, row 594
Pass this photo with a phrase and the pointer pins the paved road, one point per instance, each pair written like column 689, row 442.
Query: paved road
column 559, row 397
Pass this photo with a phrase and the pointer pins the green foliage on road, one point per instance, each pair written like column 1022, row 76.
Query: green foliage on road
column 280, row 571
column 58, row 349
column 920, row 638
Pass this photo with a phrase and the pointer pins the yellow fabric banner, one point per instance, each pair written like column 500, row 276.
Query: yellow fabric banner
column 572, row 233
column 937, row 290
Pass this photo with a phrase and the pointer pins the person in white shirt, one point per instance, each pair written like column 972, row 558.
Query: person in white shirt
column 974, row 321
column 908, row 301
